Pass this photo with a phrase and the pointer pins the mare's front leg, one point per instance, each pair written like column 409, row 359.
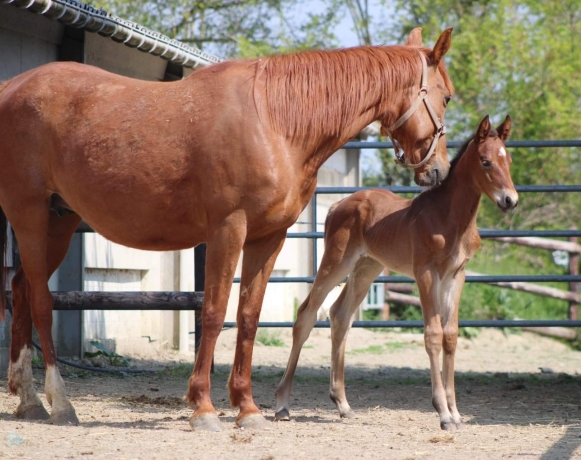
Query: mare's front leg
column 429, row 285
column 450, row 295
column 223, row 252
column 257, row 265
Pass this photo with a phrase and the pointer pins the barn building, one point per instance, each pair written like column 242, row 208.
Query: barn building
column 36, row 32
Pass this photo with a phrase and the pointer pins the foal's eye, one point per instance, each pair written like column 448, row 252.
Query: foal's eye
column 446, row 101
column 486, row 163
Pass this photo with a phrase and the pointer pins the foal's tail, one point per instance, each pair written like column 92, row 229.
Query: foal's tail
column 3, row 268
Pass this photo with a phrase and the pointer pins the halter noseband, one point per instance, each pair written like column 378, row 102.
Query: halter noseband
column 440, row 128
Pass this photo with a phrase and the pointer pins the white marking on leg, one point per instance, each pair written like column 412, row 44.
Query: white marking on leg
column 55, row 390
column 20, row 377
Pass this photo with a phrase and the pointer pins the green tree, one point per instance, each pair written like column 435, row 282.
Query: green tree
column 233, row 28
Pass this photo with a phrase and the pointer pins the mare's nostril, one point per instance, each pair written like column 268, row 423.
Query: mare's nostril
column 508, row 201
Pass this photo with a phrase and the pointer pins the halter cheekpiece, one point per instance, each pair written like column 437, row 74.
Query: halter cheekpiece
column 440, row 128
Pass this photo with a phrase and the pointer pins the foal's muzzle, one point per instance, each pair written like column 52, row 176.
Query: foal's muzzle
column 507, row 202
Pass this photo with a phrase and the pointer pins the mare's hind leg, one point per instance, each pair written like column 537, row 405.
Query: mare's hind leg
column 334, row 268
column 20, row 369
column 43, row 243
column 341, row 315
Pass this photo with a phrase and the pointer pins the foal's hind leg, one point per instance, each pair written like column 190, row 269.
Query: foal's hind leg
column 43, row 243
column 341, row 314
column 334, row 268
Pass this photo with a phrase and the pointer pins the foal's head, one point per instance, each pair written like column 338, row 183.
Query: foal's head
column 418, row 132
column 492, row 163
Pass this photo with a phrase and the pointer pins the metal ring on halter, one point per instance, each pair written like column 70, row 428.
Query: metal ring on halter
column 440, row 128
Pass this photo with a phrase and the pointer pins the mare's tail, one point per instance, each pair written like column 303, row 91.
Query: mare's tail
column 3, row 268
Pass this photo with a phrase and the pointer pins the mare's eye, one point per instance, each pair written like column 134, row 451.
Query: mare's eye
column 486, row 163
column 446, row 101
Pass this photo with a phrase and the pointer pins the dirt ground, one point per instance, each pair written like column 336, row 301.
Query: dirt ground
column 513, row 409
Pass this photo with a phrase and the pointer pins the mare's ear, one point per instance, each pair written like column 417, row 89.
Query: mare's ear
column 415, row 38
column 504, row 129
column 442, row 46
column 483, row 130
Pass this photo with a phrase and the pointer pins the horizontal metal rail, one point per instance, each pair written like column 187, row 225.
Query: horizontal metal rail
column 420, row 324
column 416, row 189
column 469, row 279
column 484, row 233
column 456, row 144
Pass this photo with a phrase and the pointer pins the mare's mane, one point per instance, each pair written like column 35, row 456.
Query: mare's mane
column 315, row 93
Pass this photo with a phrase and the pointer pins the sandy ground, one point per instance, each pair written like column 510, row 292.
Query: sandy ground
column 512, row 408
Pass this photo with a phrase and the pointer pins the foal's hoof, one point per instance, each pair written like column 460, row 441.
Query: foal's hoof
column 206, row 422
column 64, row 417
column 253, row 422
column 32, row 413
column 282, row 415
column 448, row 426
column 348, row 414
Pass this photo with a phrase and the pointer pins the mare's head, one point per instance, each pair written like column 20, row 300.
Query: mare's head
column 418, row 128
column 491, row 163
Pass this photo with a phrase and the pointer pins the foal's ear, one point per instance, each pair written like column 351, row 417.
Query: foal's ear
column 483, row 130
column 415, row 38
column 504, row 129
column 442, row 46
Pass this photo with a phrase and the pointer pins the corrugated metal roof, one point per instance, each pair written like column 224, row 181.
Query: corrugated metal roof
column 83, row 16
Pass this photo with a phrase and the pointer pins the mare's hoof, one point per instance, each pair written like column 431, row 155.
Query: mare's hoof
column 448, row 426
column 205, row 422
column 348, row 414
column 253, row 422
column 32, row 413
column 64, row 417
column 460, row 425
column 282, row 415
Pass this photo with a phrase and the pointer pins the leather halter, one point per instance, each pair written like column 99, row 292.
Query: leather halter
column 440, row 128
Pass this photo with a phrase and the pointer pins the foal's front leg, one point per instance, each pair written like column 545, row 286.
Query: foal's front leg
column 429, row 286
column 450, row 302
column 257, row 265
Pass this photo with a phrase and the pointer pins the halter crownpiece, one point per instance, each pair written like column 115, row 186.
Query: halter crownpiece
column 440, row 128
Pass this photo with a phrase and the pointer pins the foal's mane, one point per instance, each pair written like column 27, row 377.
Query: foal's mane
column 315, row 93
column 459, row 153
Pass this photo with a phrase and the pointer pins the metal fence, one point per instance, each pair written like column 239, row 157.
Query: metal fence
column 314, row 235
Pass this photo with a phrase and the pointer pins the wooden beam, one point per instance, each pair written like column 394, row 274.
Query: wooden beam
column 542, row 243
column 104, row 300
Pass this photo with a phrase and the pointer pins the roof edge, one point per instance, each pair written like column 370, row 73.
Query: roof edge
column 80, row 15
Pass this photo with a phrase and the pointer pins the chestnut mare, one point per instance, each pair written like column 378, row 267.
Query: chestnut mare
column 431, row 238
column 227, row 156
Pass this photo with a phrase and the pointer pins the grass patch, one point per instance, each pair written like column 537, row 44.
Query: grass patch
column 269, row 339
column 378, row 349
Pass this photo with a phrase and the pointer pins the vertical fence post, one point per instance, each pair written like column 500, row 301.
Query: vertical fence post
column 573, row 286
column 199, row 281
column 314, row 228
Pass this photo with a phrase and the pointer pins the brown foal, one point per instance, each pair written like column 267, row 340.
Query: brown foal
column 227, row 156
column 431, row 238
